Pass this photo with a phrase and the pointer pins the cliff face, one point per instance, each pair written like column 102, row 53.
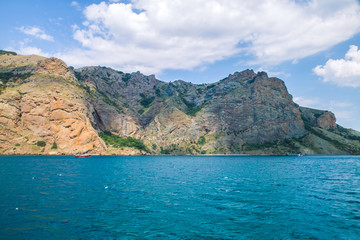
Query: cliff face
column 322, row 119
column 44, row 101
column 243, row 108
column 45, row 106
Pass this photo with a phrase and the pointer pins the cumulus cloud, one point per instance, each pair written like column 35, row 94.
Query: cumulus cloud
column 36, row 32
column 25, row 49
column 29, row 50
column 342, row 72
column 152, row 35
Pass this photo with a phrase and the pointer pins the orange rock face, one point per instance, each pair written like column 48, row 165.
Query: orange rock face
column 47, row 109
column 43, row 101
column 55, row 66
column 326, row 121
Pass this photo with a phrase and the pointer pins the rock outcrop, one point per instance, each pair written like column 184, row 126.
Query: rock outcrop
column 322, row 119
column 48, row 108
column 55, row 67
column 243, row 108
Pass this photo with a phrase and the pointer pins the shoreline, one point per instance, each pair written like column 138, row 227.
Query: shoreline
column 177, row 155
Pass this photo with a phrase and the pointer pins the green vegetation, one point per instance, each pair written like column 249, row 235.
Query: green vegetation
column 164, row 151
column 77, row 75
column 54, row 145
column 2, row 52
column 86, row 88
column 2, row 88
column 188, row 148
column 345, row 133
column 192, row 109
column 6, row 76
column 307, row 142
column 354, row 150
column 17, row 145
column 146, row 101
column 109, row 101
column 41, row 144
column 11, row 76
column 307, row 123
column 287, row 146
column 201, row 140
column 119, row 142
column 200, row 90
column 126, row 77
column 210, row 86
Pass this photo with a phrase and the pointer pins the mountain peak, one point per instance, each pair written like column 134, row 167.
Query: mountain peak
column 246, row 112
column 241, row 76
column 54, row 66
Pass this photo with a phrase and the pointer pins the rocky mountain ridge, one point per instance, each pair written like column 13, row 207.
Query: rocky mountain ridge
column 43, row 100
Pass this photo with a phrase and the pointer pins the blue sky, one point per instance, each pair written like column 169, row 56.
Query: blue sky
column 310, row 44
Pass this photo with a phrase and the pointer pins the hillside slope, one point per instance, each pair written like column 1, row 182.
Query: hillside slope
column 44, row 101
column 42, row 109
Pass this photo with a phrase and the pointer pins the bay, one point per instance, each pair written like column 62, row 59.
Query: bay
column 180, row 197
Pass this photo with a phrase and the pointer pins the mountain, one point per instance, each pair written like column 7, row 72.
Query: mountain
column 47, row 107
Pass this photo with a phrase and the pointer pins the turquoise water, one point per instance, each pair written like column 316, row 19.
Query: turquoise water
column 180, row 197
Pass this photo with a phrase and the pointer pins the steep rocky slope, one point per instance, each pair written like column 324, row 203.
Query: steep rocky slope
column 242, row 108
column 44, row 101
column 43, row 104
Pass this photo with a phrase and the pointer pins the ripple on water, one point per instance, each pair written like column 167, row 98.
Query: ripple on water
column 180, row 197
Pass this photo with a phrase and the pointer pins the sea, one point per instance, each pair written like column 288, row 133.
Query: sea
column 180, row 197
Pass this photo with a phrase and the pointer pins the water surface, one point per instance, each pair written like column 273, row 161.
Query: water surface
column 180, row 197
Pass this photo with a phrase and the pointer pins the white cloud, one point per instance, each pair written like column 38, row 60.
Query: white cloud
column 307, row 102
column 36, row 32
column 25, row 49
column 342, row 72
column 152, row 35
column 76, row 5
column 272, row 73
column 29, row 50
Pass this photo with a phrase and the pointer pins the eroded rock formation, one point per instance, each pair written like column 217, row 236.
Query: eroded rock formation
column 48, row 108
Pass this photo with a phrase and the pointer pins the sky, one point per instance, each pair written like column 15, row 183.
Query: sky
column 312, row 45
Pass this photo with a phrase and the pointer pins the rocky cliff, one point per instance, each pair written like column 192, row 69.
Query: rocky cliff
column 42, row 111
column 48, row 108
